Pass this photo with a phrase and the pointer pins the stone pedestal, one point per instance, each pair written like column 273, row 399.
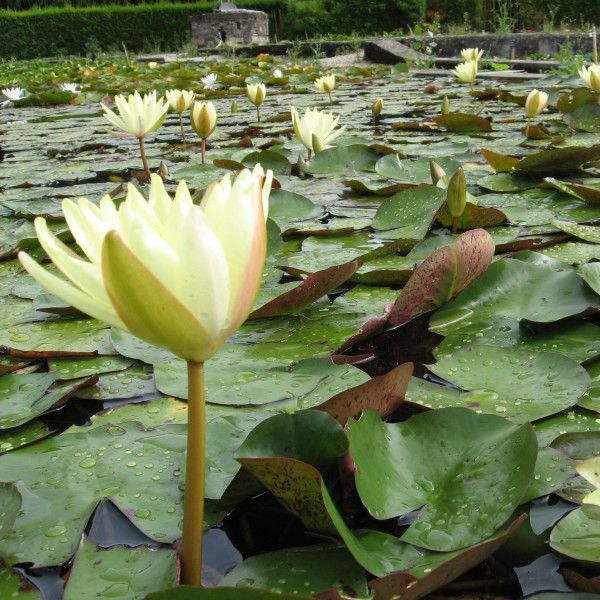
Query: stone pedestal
column 236, row 26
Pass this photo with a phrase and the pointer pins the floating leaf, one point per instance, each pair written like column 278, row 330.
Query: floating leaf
column 311, row 569
column 545, row 295
column 467, row 480
column 126, row 573
column 499, row 162
column 352, row 159
column 462, row 122
column 443, row 275
column 561, row 160
column 578, row 534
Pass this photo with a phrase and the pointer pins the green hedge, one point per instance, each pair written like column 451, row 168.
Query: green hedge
column 43, row 32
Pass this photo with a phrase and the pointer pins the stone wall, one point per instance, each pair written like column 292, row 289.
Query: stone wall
column 239, row 26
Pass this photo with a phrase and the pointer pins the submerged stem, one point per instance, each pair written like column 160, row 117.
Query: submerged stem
column 193, row 504
column 143, row 152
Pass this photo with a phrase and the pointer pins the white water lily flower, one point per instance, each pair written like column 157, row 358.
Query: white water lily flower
column 209, row 81
column 12, row 94
column 70, row 87
column 315, row 123
column 204, row 119
column 137, row 116
column 179, row 276
column 277, row 73
column 471, row 54
column 535, row 103
column 466, row 72
column 180, row 100
column 256, row 93
column 326, row 83
column 591, row 76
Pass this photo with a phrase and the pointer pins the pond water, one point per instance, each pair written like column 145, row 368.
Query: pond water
column 472, row 476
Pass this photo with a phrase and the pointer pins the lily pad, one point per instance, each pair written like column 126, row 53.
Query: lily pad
column 352, row 159
column 126, row 573
column 461, row 122
column 578, row 534
column 466, row 479
column 508, row 381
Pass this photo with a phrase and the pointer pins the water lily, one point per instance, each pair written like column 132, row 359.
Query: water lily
column 153, row 65
column 315, row 125
column 256, row 93
column 591, row 77
column 70, row 87
column 138, row 117
column 534, row 105
column 471, row 54
column 377, row 108
column 445, row 105
column 180, row 100
column 326, row 84
column 456, row 198
column 466, row 72
column 277, row 73
column 209, row 82
column 180, row 276
column 204, row 122
column 12, row 94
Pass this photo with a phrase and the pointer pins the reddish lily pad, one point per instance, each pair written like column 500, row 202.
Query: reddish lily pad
column 499, row 162
column 462, row 122
column 443, row 275
column 316, row 285
column 473, row 216
column 383, row 394
column 276, row 453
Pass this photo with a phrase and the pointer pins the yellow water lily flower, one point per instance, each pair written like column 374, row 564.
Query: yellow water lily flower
column 138, row 116
column 179, row 276
column 471, row 54
column 377, row 107
column 466, row 72
column 315, row 124
column 204, row 122
column 535, row 103
column 591, row 76
column 326, row 84
column 256, row 93
column 180, row 100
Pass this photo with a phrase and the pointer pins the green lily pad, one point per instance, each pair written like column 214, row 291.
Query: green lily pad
column 286, row 207
column 15, row 437
column 578, row 534
column 578, row 340
column 411, row 212
column 124, row 573
column 127, row 383
column 584, row 118
column 591, row 274
column 184, row 592
column 66, row 476
column 309, row 570
column 14, row 585
column 507, row 182
column 352, row 159
column 572, row 421
column 561, row 160
column 412, row 171
column 77, row 337
column 468, row 484
column 508, row 381
column 545, row 295
column 462, row 122
column 72, row 368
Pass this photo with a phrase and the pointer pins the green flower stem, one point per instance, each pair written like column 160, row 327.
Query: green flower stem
column 203, row 151
column 258, row 113
column 454, row 224
column 330, row 100
column 146, row 167
column 193, row 505
column 527, row 128
column 181, row 125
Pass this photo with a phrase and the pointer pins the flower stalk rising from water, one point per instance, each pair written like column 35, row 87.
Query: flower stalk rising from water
column 256, row 93
column 536, row 102
column 204, row 122
column 138, row 117
column 180, row 276
column 180, row 101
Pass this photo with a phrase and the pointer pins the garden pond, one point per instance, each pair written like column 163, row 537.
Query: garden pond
column 403, row 411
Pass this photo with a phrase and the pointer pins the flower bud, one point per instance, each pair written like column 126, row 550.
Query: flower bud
column 377, row 107
column 204, row 118
column 535, row 103
column 456, row 200
column 445, row 105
